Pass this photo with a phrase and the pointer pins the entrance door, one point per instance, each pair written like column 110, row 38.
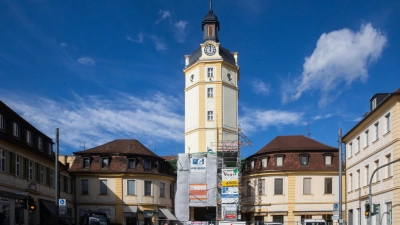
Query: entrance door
column 350, row 217
column 130, row 220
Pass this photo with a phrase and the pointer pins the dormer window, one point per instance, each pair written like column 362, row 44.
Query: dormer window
column 328, row 159
column 40, row 144
column 131, row 163
column 304, row 159
column 264, row 162
column 86, row 163
column 1, row 122
column 373, row 104
column 15, row 130
column 279, row 160
column 147, row 164
column 49, row 148
column 252, row 164
column 104, row 162
column 28, row 137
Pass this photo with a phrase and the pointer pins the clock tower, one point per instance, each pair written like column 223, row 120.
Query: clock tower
column 212, row 146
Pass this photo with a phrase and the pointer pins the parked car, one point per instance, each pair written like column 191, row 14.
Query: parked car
column 313, row 222
column 94, row 218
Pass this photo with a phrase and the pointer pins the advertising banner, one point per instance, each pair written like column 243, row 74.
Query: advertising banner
column 198, row 192
column 229, row 212
column 230, row 194
column 198, row 164
column 230, row 177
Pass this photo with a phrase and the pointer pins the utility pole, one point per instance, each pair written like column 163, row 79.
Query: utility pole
column 370, row 185
column 57, row 178
column 340, row 175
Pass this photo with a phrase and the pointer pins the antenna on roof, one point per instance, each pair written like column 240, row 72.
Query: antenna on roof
column 308, row 130
column 84, row 146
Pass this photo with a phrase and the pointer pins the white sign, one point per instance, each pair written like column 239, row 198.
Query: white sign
column 230, row 174
column 62, row 202
column 335, row 217
column 198, row 164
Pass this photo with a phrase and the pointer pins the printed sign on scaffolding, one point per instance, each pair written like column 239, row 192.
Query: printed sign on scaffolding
column 198, row 192
column 198, row 164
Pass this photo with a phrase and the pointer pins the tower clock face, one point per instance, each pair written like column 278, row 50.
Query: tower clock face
column 210, row 50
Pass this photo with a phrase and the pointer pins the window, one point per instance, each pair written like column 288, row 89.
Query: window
column 377, row 218
column 49, row 148
column 30, row 170
column 85, row 187
column 210, row 92
column 86, row 163
column 350, row 182
column 278, row 190
column 61, row 184
column 252, row 164
column 28, row 137
column 377, row 172
column 49, row 173
column 104, row 163
column 248, row 188
column 359, row 216
column 18, row 165
column 15, row 130
column 2, row 160
column 171, row 191
column 358, row 144
column 350, row 149
column 131, row 163
column 261, row 186
column 103, row 187
column 210, row 30
column 278, row 219
column 304, row 160
column 66, row 184
column 162, row 189
column 131, row 187
column 328, row 185
column 264, row 162
column 328, row 160
column 147, row 164
column 40, row 144
column 210, row 72
column 366, row 138
column 387, row 118
column 366, row 174
column 389, row 167
column 147, row 188
column 1, row 122
column 210, row 115
column 41, row 174
column 358, row 179
column 307, row 186
column 279, row 160
column 25, row 169
column 11, row 162
column 373, row 104
column 376, row 131
column 51, row 178
column 389, row 213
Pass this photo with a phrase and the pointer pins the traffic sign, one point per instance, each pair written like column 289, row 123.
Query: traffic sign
column 62, row 202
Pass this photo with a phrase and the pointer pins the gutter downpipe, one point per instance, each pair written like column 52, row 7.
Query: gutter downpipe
column 340, row 175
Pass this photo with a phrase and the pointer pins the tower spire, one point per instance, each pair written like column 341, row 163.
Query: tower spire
column 211, row 6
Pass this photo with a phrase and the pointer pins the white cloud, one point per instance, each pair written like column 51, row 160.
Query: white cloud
column 86, row 61
column 320, row 117
column 180, row 33
column 96, row 120
column 139, row 40
column 159, row 44
column 164, row 15
column 63, row 45
column 259, row 87
column 340, row 56
column 256, row 120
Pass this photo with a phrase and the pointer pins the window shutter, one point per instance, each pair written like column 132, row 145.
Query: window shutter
column 37, row 169
column 48, row 176
column 26, row 168
column 307, row 186
column 11, row 168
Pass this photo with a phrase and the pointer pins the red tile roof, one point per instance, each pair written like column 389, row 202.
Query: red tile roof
column 296, row 142
column 121, row 146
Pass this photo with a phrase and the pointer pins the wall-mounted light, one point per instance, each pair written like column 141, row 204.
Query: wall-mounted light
column 229, row 76
column 191, row 78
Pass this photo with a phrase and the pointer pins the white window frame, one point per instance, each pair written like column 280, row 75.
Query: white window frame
column 261, row 187
column 132, row 182
column 103, row 188
column 389, row 167
column 129, row 163
column 252, row 164
column 387, row 118
column 146, row 192
column 377, row 172
column 374, row 101
column 358, row 179
column 248, row 188
column 264, row 162
column 210, row 72
column 275, row 186
column 351, row 182
column 49, row 148
column 15, row 129
column 389, row 207
column 358, row 144
column 326, row 160
column 210, row 115
column 307, row 180
column 279, row 161
column 326, row 185
column 350, row 152
column 210, row 92
column 162, row 189
column 3, row 157
column 366, row 138
column 376, row 125
column 28, row 137
column 367, row 175
column 105, row 162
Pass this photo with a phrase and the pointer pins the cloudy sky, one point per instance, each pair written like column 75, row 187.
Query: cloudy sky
column 106, row 70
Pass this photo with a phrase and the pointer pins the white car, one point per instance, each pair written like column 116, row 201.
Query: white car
column 313, row 222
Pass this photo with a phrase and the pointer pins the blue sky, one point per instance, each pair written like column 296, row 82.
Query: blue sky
column 106, row 70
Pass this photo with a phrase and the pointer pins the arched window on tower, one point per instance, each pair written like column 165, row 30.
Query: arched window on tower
column 210, row 30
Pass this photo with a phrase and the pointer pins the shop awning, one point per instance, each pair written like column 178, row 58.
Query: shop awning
column 50, row 206
column 167, row 214
column 131, row 209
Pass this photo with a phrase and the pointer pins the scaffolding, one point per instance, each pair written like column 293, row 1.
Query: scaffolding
column 229, row 157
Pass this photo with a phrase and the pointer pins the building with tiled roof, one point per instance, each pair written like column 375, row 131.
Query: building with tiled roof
column 126, row 180
column 373, row 142
column 290, row 179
